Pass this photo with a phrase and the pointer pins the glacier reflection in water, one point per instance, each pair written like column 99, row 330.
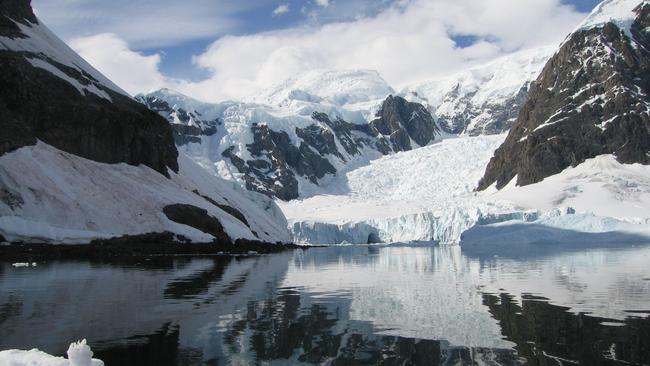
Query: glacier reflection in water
column 341, row 305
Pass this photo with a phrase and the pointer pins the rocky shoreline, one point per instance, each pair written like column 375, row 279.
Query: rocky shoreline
column 137, row 246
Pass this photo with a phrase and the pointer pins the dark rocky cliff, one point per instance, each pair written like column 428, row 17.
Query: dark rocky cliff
column 274, row 159
column 503, row 114
column 591, row 99
column 399, row 121
column 278, row 160
column 37, row 104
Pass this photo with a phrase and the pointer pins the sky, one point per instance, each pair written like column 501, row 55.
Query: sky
column 215, row 50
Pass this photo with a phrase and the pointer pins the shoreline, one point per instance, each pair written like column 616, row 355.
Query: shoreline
column 138, row 246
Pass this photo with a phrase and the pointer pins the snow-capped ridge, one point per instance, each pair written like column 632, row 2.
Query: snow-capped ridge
column 44, row 50
column 484, row 99
column 620, row 12
column 339, row 87
column 590, row 99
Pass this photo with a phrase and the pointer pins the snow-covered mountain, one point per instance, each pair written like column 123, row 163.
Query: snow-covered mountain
column 344, row 88
column 187, row 125
column 302, row 135
column 81, row 160
column 364, row 173
column 485, row 99
column 590, row 99
column 584, row 123
column 293, row 138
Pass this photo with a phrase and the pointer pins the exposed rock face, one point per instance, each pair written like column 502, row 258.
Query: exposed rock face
column 485, row 99
column 228, row 209
column 344, row 132
column 276, row 155
column 591, row 99
column 489, row 118
column 19, row 11
column 187, row 126
column 47, row 92
column 399, row 121
column 197, row 218
column 278, row 160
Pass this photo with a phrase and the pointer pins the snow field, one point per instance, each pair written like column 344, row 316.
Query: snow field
column 61, row 198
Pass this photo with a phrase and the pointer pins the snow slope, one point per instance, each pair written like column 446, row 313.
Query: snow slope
column 428, row 194
column 473, row 100
column 351, row 89
column 619, row 12
column 46, row 50
column 53, row 196
column 601, row 185
column 207, row 111
column 237, row 119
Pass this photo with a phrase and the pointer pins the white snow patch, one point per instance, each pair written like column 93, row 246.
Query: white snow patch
column 42, row 64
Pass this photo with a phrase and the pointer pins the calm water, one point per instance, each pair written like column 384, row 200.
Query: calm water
column 394, row 305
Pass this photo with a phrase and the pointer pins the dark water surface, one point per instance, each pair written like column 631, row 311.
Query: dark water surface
column 391, row 305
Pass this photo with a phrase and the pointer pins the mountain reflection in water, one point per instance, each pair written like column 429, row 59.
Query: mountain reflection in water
column 388, row 305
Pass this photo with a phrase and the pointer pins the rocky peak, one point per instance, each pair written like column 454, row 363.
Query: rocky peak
column 591, row 99
column 399, row 122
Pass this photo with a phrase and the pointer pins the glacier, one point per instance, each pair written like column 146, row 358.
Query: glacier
column 428, row 194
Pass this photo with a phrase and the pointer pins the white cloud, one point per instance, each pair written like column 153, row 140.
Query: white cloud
column 281, row 9
column 406, row 43
column 323, row 3
column 145, row 24
column 132, row 71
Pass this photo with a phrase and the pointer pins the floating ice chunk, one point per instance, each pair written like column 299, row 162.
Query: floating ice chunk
column 79, row 354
